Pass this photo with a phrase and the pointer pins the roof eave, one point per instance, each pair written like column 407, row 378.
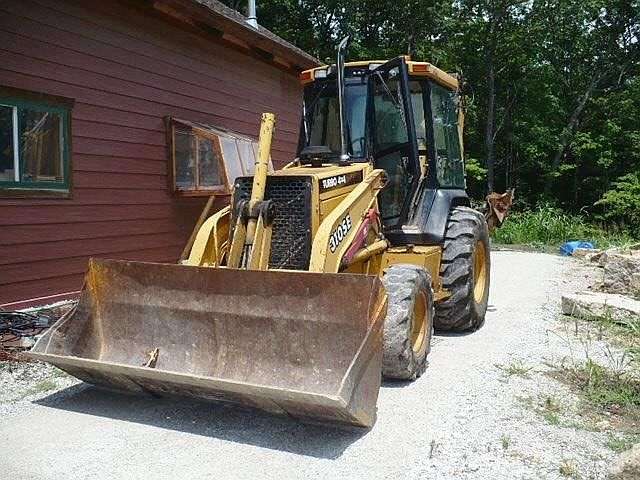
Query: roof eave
column 233, row 28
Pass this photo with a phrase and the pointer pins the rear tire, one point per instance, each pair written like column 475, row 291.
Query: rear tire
column 465, row 272
column 408, row 326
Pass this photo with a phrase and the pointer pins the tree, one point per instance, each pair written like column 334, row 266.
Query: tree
column 552, row 85
column 591, row 52
column 493, row 45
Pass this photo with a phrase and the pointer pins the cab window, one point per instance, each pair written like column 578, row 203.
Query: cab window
column 449, row 164
column 391, row 145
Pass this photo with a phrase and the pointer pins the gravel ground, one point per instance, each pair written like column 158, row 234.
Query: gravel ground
column 468, row 417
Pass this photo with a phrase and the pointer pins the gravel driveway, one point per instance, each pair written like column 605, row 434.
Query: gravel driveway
column 466, row 418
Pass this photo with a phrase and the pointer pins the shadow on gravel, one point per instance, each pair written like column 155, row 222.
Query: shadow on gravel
column 207, row 419
column 444, row 333
column 453, row 334
column 396, row 383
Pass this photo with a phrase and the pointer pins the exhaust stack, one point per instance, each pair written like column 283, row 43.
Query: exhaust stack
column 252, row 19
column 344, row 135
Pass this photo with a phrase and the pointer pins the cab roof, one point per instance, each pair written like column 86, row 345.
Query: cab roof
column 416, row 69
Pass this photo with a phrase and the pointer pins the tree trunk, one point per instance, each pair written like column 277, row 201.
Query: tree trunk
column 489, row 140
column 567, row 135
column 569, row 131
column 508, row 130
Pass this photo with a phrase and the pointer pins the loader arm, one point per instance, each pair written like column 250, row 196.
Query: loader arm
column 251, row 239
column 249, row 246
column 338, row 230
column 211, row 243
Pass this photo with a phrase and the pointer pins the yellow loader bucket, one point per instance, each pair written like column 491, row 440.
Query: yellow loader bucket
column 308, row 345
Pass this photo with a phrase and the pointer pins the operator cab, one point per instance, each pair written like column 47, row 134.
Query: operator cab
column 417, row 141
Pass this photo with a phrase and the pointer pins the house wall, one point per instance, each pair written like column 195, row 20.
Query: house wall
column 125, row 72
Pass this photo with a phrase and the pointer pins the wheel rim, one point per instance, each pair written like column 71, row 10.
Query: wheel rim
column 420, row 321
column 479, row 271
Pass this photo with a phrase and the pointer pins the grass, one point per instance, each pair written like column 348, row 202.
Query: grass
column 551, row 418
column 568, row 469
column 550, row 410
column 41, row 387
column 57, row 373
column 629, row 326
column 612, row 394
column 515, row 367
column 621, row 443
column 505, row 440
column 607, row 389
column 634, row 352
column 624, row 333
column 550, row 226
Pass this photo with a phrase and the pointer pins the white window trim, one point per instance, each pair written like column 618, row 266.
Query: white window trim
column 16, row 147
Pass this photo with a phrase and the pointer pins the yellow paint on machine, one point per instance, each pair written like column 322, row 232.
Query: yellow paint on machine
column 428, row 257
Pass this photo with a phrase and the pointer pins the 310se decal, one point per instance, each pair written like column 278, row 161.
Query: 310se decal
column 340, row 233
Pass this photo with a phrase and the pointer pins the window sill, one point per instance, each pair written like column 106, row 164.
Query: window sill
column 200, row 193
column 21, row 192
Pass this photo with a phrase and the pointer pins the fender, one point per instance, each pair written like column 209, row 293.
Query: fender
column 428, row 222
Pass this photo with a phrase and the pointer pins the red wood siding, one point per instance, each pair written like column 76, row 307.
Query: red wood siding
column 126, row 72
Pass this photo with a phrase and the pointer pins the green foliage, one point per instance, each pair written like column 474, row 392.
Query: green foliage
column 475, row 171
column 621, row 443
column 548, row 225
column 606, row 389
column 550, row 410
column 515, row 367
column 476, row 177
column 622, row 202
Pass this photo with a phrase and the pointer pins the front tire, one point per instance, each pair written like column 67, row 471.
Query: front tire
column 408, row 326
column 465, row 272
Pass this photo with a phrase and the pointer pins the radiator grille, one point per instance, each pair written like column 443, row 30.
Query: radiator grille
column 291, row 235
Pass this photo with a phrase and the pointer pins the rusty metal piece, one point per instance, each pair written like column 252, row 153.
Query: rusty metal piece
column 153, row 358
column 497, row 208
column 302, row 344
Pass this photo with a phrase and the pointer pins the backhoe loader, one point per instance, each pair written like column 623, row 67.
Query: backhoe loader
column 317, row 277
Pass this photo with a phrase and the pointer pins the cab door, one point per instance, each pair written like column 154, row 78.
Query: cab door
column 393, row 139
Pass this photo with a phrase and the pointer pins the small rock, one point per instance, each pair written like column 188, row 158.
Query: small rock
column 584, row 252
column 627, row 465
column 597, row 304
column 595, row 256
column 634, row 285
